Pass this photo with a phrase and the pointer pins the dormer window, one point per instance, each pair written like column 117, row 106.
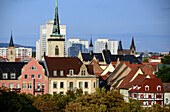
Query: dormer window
column 12, row 75
column 84, row 72
column 159, row 88
column 61, row 73
column 33, row 68
column 71, row 72
column 5, row 75
column 55, row 73
column 146, row 88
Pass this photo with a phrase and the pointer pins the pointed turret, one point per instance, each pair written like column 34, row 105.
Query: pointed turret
column 106, row 46
column 120, row 46
column 11, row 44
column 56, row 26
column 132, row 44
column 91, row 46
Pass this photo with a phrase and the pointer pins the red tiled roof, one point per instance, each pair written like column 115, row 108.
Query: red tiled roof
column 63, row 63
column 148, row 69
column 129, row 76
column 152, row 83
column 137, row 80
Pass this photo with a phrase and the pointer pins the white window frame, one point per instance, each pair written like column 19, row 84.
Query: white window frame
column 5, row 76
column 55, row 73
column 3, row 84
column 11, row 84
column 32, row 75
column 43, row 85
column 13, row 76
column 33, row 67
column 40, row 76
column 17, row 85
column 61, row 73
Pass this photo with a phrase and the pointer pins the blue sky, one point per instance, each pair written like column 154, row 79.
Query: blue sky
column 147, row 20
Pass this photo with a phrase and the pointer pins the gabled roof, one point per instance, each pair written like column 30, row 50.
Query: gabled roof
column 107, row 56
column 139, row 78
column 129, row 76
column 11, row 67
column 65, row 64
column 148, row 69
column 89, row 57
column 152, row 83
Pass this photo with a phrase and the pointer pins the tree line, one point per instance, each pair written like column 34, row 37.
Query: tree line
column 72, row 101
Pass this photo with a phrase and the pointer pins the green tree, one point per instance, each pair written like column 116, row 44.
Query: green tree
column 145, row 60
column 166, row 60
column 164, row 74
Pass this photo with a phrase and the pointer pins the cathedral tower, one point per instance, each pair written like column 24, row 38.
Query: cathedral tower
column 11, row 50
column 132, row 48
column 56, row 42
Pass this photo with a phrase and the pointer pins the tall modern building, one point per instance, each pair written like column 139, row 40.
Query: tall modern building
column 45, row 32
column 76, row 45
column 100, row 45
column 38, row 55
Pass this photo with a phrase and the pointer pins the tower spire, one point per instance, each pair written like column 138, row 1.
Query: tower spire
column 106, row 46
column 120, row 46
column 91, row 45
column 11, row 44
column 132, row 44
column 56, row 26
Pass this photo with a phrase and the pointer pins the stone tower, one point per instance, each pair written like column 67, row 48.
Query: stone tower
column 91, row 47
column 132, row 48
column 56, row 42
column 11, row 51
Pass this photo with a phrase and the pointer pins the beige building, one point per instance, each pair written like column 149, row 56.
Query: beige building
column 70, row 73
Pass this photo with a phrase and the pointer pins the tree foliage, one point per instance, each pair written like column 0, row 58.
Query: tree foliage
column 166, row 60
column 164, row 74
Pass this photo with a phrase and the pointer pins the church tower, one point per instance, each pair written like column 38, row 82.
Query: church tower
column 11, row 50
column 132, row 48
column 56, row 42
column 120, row 49
column 91, row 47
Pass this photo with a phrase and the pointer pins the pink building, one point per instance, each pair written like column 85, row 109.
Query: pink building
column 24, row 77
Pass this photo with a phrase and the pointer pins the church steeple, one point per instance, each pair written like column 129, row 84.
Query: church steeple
column 132, row 44
column 11, row 44
column 56, row 26
column 106, row 46
column 120, row 46
column 91, row 46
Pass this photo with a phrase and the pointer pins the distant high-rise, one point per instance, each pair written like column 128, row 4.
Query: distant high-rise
column 38, row 52
column 111, row 45
column 76, row 45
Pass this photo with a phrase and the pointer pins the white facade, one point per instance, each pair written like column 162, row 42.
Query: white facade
column 20, row 52
column 167, row 98
column 74, row 45
column 4, row 52
column 100, row 45
column 38, row 50
column 110, row 68
column 45, row 32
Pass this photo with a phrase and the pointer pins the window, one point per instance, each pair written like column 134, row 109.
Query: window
column 43, row 85
column 26, row 76
column 158, row 96
column 146, row 88
column 61, row 73
column 12, row 75
column 56, row 50
column 159, row 88
column 54, row 84
column 11, row 85
column 11, row 52
column 94, row 85
column 39, row 76
column 18, row 86
column 80, row 84
column 55, row 73
column 5, row 75
column 32, row 76
column 71, row 85
column 167, row 100
column 71, row 72
column 149, row 96
column 61, row 84
column 141, row 96
column 33, row 68
column 149, row 102
column 135, row 95
column 86, row 84
column 130, row 94
column 82, row 73
column 61, row 93
column 29, row 86
column 24, row 85
column 38, row 86
column 4, row 85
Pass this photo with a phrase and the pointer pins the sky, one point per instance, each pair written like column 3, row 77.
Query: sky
column 147, row 20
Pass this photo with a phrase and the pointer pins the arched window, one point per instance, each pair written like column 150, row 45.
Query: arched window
column 84, row 73
column 11, row 53
column 56, row 50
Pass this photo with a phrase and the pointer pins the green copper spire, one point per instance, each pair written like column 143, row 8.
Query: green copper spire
column 56, row 26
